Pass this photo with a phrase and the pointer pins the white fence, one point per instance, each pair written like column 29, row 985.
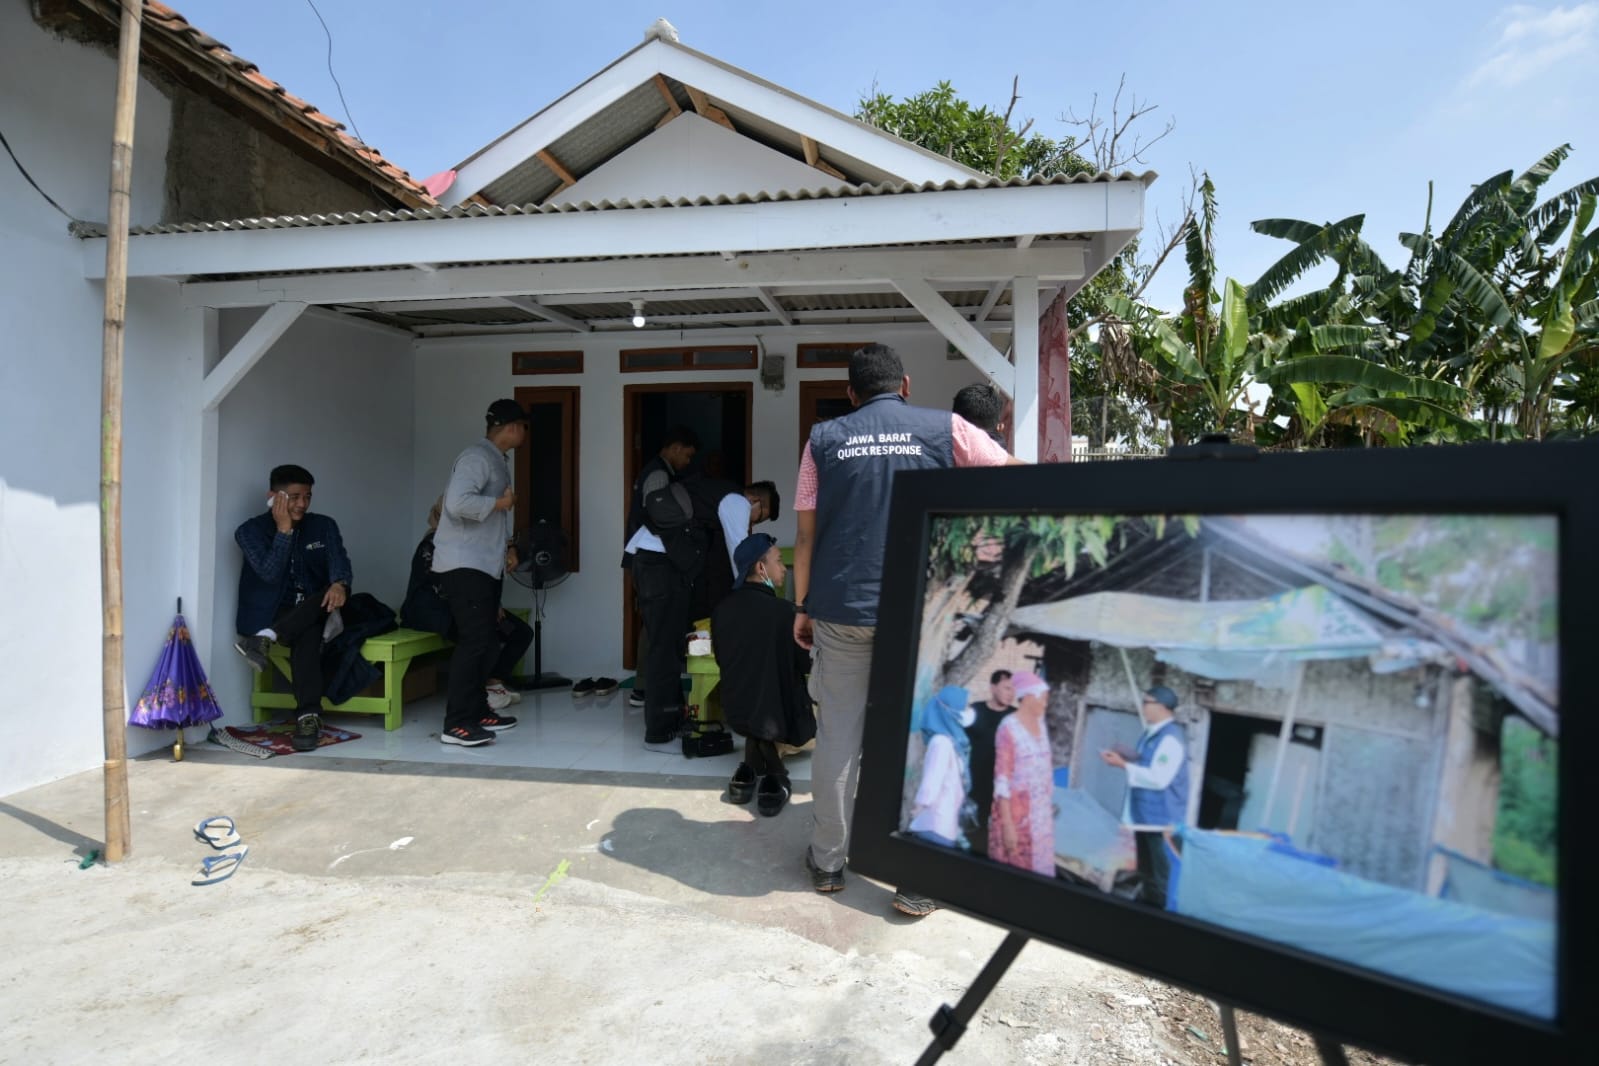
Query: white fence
column 1085, row 454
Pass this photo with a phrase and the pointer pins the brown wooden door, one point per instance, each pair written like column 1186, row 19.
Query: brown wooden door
column 818, row 402
column 648, row 411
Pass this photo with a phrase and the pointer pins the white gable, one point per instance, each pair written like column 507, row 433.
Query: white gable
column 690, row 157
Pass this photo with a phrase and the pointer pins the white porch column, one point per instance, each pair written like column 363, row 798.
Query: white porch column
column 1024, row 345
column 248, row 351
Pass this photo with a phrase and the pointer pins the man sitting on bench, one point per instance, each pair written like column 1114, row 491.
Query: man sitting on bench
column 295, row 574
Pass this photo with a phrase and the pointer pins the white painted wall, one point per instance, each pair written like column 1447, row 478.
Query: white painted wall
column 457, row 378
column 336, row 398
column 689, row 157
column 55, row 106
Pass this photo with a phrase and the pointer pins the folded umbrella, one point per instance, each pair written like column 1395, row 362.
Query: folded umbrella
column 178, row 693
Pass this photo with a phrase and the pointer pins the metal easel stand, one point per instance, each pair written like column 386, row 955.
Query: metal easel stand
column 949, row 1023
column 1331, row 1052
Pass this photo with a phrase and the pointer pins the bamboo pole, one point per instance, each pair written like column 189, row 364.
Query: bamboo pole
column 117, row 843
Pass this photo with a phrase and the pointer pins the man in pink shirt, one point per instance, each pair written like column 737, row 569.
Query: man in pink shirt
column 841, row 509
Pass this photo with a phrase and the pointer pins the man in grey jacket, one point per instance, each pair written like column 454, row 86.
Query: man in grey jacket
column 471, row 552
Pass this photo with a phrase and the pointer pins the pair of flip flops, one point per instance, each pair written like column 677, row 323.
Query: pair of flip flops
column 220, row 833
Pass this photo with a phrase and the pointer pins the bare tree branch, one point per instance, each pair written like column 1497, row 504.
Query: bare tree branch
column 1172, row 241
column 1107, row 139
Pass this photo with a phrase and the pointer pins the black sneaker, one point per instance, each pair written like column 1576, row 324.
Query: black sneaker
column 497, row 723
column 741, row 786
column 635, row 698
column 583, row 688
column 604, row 686
column 772, row 795
column 307, row 731
column 254, row 650
column 823, row 880
column 911, row 904
column 668, row 741
column 466, row 736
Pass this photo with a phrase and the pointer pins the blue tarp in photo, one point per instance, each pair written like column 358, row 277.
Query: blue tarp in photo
column 1242, row 883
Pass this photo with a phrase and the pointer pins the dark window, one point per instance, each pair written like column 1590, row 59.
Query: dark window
column 547, row 466
column 826, row 355
column 547, row 362
column 703, row 357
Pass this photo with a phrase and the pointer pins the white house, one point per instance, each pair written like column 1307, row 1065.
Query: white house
column 362, row 329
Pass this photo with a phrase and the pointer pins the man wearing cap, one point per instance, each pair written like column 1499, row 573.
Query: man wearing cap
column 1157, row 786
column 841, row 514
column 471, row 552
column 763, row 699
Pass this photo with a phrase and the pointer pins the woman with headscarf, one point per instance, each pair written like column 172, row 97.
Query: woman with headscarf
column 946, row 769
column 1021, row 826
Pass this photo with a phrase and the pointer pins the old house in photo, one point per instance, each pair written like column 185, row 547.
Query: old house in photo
column 1380, row 750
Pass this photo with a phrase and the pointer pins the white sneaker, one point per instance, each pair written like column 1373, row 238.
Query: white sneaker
column 510, row 694
column 499, row 699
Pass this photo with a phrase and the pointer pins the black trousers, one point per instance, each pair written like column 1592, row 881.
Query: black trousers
column 299, row 628
column 474, row 599
column 762, row 757
column 515, row 637
column 1154, row 867
column 665, row 596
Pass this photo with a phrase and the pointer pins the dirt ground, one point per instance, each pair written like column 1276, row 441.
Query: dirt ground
column 399, row 913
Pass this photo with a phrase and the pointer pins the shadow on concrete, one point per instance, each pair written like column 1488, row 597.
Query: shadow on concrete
column 80, row 844
column 737, row 857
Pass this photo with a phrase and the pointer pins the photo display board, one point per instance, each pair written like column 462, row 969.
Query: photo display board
column 1288, row 731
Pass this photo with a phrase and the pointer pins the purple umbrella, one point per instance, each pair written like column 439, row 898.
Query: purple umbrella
column 178, row 694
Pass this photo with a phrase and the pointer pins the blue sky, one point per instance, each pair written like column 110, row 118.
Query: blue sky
column 1307, row 111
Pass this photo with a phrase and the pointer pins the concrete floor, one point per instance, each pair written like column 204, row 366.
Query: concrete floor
column 417, row 913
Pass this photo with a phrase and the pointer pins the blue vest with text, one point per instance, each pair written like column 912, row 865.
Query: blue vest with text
column 856, row 458
column 1167, row 806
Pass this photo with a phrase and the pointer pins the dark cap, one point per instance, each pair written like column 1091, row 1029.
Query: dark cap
column 1164, row 696
column 504, row 412
column 749, row 552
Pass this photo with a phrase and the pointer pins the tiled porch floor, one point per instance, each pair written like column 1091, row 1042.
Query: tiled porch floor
column 554, row 731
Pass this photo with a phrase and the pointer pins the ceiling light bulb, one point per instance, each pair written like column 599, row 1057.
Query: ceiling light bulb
column 638, row 314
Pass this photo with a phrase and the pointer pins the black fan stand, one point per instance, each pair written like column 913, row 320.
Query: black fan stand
column 539, row 679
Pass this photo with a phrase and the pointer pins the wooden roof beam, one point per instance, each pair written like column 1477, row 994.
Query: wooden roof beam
column 813, row 157
column 705, row 109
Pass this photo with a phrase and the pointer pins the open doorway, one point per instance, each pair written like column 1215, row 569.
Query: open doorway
column 1239, row 766
column 719, row 413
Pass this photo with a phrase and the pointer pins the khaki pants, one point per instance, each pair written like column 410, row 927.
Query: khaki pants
column 839, row 675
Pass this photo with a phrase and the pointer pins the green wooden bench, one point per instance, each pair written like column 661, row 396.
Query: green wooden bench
column 392, row 652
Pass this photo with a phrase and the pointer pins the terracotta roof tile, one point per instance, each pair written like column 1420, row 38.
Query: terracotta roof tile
column 206, row 52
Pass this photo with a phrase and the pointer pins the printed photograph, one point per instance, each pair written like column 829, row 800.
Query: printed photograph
column 1334, row 732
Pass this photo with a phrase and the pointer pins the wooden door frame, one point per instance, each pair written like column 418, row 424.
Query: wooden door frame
column 631, row 409
column 571, row 492
column 809, row 393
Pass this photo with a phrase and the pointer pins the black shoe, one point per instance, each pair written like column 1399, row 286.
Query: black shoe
column 772, row 795
column 497, row 723
column 635, row 698
column 604, row 686
column 913, row 905
column 466, row 736
column 254, row 650
column 741, row 787
column 307, row 731
column 667, row 742
column 583, row 688
column 823, row 880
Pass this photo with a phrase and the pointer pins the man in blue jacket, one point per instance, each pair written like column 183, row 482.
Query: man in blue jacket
column 295, row 574
column 1157, row 787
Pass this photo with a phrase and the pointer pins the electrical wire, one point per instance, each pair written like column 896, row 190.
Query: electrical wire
column 29, row 179
column 348, row 117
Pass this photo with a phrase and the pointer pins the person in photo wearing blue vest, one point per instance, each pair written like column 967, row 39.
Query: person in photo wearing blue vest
column 841, row 518
column 1157, row 786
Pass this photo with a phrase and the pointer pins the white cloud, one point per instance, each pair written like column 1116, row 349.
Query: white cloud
column 1532, row 40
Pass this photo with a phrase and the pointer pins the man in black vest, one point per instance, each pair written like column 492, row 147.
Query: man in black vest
column 663, row 585
column 841, row 511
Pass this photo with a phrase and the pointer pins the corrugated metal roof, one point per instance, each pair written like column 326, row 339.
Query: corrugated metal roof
column 469, row 210
column 587, row 148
